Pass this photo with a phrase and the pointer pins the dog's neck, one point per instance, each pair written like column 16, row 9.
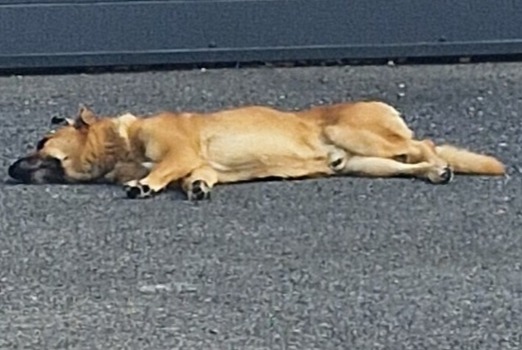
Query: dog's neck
column 118, row 146
column 107, row 144
column 122, row 125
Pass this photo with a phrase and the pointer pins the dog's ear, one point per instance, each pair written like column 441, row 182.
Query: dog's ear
column 84, row 118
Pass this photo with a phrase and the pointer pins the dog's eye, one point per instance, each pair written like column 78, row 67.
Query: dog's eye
column 41, row 144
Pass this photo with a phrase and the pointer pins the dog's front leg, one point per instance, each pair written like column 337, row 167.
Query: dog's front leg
column 124, row 172
column 170, row 169
column 382, row 167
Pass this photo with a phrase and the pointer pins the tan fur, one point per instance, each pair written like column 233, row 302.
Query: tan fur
column 254, row 142
column 466, row 162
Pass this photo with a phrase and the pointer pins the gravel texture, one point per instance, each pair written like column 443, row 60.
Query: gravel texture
column 340, row 263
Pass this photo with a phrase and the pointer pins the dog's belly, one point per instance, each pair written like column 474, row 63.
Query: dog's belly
column 314, row 169
column 244, row 156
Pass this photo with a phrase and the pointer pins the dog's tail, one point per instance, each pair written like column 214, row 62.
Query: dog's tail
column 466, row 162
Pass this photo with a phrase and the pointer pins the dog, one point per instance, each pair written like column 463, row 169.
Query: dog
column 147, row 154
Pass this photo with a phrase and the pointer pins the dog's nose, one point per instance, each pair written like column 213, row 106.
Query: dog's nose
column 37, row 170
column 20, row 170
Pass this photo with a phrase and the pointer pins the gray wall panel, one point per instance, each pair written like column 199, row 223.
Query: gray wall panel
column 46, row 33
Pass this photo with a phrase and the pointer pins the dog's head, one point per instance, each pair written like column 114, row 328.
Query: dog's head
column 58, row 155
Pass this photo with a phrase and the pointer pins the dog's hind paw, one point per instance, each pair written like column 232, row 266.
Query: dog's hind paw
column 337, row 160
column 446, row 175
column 441, row 176
column 198, row 190
column 136, row 190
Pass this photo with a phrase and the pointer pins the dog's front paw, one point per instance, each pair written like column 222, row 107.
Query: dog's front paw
column 136, row 190
column 198, row 190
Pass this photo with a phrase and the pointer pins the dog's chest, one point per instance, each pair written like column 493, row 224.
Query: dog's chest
column 150, row 151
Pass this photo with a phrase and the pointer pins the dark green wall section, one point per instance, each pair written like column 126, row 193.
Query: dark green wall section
column 47, row 33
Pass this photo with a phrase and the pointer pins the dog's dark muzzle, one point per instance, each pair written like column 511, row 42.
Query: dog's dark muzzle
column 37, row 170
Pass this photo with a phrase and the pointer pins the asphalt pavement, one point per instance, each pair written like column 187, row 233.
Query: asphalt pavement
column 339, row 263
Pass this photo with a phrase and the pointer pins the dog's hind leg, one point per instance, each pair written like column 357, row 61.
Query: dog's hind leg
column 380, row 167
column 369, row 144
column 365, row 142
column 199, row 183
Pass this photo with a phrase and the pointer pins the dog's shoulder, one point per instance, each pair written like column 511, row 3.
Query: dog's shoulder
column 122, row 125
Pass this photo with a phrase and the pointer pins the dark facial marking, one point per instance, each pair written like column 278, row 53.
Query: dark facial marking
column 41, row 143
column 34, row 169
column 58, row 121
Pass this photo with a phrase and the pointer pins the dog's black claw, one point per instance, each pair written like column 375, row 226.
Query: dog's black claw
column 132, row 192
column 138, row 191
column 336, row 164
column 446, row 176
column 199, row 190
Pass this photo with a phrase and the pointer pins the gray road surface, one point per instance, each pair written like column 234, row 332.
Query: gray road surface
column 340, row 263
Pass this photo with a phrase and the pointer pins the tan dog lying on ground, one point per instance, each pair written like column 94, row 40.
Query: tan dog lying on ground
column 201, row 150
